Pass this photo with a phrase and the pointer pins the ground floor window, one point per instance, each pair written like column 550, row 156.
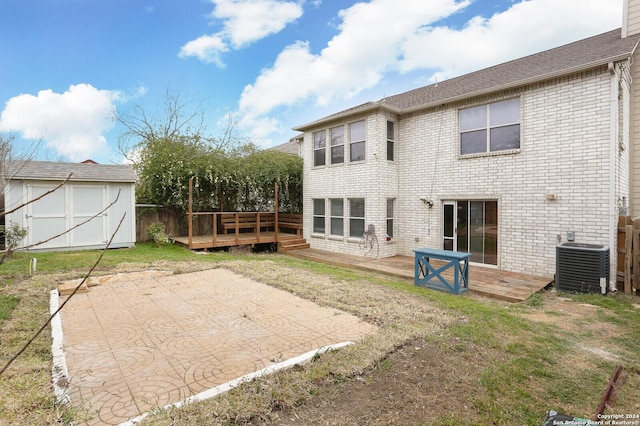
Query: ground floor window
column 471, row 226
column 318, row 215
column 356, row 217
column 390, row 213
column 337, row 216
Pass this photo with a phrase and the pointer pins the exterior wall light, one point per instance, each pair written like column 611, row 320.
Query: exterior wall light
column 426, row 201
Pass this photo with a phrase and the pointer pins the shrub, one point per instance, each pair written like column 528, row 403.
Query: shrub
column 13, row 235
column 155, row 231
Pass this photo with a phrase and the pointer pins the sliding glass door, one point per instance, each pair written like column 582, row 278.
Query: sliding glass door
column 472, row 226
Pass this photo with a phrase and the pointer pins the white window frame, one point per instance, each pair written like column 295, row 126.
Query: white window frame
column 335, row 216
column 319, row 145
column 391, row 208
column 484, row 122
column 355, row 140
column 353, row 219
column 319, row 215
column 391, row 140
column 337, row 142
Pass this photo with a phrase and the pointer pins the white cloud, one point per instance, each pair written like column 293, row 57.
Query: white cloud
column 244, row 22
column 383, row 36
column 72, row 123
column 259, row 129
column 206, row 48
column 526, row 28
column 371, row 35
column 247, row 21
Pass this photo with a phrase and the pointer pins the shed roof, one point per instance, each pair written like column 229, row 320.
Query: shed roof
column 88, row 172
column 574, row 57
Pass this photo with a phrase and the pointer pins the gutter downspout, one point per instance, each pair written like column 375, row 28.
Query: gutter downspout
column 613, row 131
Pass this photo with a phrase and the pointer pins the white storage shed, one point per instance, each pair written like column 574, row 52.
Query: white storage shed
column 104, row 191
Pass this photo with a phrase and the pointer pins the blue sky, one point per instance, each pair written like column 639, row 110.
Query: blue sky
column 65, row 65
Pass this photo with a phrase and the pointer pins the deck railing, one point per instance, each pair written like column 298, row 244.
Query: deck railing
column 255, row 223
column 245, row 222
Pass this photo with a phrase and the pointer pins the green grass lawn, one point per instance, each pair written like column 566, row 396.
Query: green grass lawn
column 7, row 305
column 534, row 366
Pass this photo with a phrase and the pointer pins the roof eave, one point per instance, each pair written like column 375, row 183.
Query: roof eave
column 72, row 179
column 371, row 106
column 524, row 82
column 519, row 83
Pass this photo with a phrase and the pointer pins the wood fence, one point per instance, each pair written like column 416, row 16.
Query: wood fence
column 147, row 216
column 628, row 255
column 174, row 224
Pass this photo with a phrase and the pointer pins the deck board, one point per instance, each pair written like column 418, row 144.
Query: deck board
column 484, row 281
column 228, row 240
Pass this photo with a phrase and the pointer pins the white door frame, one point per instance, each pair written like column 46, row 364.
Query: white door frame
column 450, row 242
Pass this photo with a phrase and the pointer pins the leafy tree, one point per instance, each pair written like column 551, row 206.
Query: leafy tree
column 178, row 119
column 221, row 181
column 229, row 173
column 164, row 168
column 258, row 174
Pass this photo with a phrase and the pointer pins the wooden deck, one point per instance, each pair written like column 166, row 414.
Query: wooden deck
column 243, row 228
column 228, row 240
column 488, row 282
column 228, row 229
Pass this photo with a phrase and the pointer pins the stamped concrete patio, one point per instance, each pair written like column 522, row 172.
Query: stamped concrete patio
column 134, row 343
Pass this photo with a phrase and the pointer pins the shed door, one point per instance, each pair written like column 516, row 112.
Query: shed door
column 63, row 209
column 47, row 217
column 86, row 201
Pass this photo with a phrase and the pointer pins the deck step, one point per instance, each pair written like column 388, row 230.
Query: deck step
column 294, row 244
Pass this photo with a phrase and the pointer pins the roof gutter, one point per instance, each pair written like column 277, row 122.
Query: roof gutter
column 370, row 106
column 523, row 82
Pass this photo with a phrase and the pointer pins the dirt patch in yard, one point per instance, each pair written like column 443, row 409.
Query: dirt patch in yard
column 419, row 383
column 439, row 381
column 597, row 336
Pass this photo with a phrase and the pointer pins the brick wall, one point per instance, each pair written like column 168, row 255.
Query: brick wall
column 565, row 151
column 374, row 179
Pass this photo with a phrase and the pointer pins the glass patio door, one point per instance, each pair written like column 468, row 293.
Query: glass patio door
column 472, row 227
column 449, row 226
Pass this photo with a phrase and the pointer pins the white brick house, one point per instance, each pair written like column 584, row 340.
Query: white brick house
column 503, row 163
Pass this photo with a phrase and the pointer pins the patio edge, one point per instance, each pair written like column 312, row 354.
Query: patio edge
column 225, row 387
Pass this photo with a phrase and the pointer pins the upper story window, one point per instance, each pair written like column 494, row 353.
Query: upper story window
column 319, row 148
column 357, row 141
column 337, row 145
column 490, row 128
column 390, row 140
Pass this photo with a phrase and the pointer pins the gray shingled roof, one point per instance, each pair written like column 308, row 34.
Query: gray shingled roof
column 48, row 170
column 574, row 57
column 291, row 147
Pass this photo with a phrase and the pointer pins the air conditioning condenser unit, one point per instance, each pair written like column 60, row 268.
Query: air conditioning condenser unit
column 582, row 268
